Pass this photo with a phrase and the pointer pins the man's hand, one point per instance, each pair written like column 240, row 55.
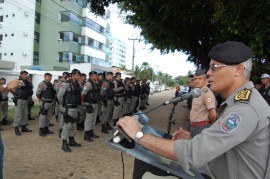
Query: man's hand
column 14, row 84
column 129, row 125
column 181, row 134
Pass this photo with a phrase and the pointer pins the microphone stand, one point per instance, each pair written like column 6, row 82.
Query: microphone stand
column 170, row 122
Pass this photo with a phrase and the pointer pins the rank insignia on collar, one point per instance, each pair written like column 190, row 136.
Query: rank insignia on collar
column 243, row 95
column 230, row 123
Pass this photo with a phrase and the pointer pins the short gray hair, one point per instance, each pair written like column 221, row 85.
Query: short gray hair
column 248, row 67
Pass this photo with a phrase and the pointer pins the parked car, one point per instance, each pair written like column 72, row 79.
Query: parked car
column 183, row 89
column 167, row 88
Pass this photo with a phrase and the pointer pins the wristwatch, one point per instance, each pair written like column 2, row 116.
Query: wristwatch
column 138, row 136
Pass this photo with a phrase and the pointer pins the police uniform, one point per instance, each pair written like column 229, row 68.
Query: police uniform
column 200, row 110
column 127, row 100
column 69, row 96
column 4, row 106
column 58, row 107
column 80, row 123
column 133, row 98
column 237, row 144
column 21, row 107
column 143, row 96
column 100, row 105
column 91, row 91
column 265, row 91
column 46, row 93
column 107, row 96
column 31, row 103
column 118, row 100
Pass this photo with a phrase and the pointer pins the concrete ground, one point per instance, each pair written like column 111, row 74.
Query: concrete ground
column 33, row 157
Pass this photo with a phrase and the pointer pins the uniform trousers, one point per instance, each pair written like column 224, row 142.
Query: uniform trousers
column 21, row 113
column 126, row 106
column 44, row 120
column 90, row 119
column 3, row 109
column 117, row 110
column 82, row 113
column 195, row 130
column 106, row 116
column 69, row 129
column 133, row 104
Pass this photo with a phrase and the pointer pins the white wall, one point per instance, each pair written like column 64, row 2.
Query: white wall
column 19, row 20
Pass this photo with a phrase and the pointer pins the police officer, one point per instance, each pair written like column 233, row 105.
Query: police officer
column 134, row 97
column 100, row 80
column 203, row 110
column 137, row 94
column 107, row 96
column 265, row 91
column 58, row 107
column 4, row 102
column 91, row 98
column 127, row 97
column 119, row 92
column 31, row 103
column 46, row 94
column 143, row 95
column 21, row 104
column 80, row 123
column 69, row 96
column 237, row 144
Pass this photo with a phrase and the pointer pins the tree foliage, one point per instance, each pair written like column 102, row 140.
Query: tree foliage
column 193, row 26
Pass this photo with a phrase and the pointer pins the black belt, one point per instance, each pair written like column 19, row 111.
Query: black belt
column 4, row 100
column 23, row 98
column 71, row 106
column 47, row 101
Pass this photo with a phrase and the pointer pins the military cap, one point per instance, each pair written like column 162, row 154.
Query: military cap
column 47, row 74
column 92, row 73
column 258, row 81
column 265, row 75
column 117, row 74
column 75, row 71
column 100, row 74
column 199, row 72
column 109, row 73
column 65, row 73
column 3, row 79
column 230, row 52
column 83, row 74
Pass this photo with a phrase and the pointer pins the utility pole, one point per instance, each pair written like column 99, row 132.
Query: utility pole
column 133, row 54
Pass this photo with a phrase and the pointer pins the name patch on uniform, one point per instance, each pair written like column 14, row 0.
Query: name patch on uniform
column 243, row 95
column 230, row 123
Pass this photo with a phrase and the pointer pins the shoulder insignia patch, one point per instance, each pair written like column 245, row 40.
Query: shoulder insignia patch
column 243, row 95
column 62, row 86
column 209, row 100
column 230, row 123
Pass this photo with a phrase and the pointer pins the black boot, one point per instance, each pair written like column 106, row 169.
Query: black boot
column 41, row 132
column 17, row 131
column 25, row 129
column 108, row 126
column 115, row 121
column 30, row 118
column 47, row 131
column 72, row 142
column 50, row 124
column 65, row 146
column 93, row 135
column 104, row 129
column 87, row 136
column 60, row 131
column 5, row 122
column 80, row 126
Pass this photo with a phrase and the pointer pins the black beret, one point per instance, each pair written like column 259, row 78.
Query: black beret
column 65, row 73
column 75, row 71
column 92, row 73
column 3, row 79
column 117, row 73
column 47, row 74
column 100, row 74
column 199, row 72
column 109, row 73
column 83, row 74
column 230, row 52
column 258, row 81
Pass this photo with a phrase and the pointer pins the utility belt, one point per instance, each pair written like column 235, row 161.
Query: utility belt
column 68, row 118
column 71, row 106
column 118, row 95
column 4, row 99
column 23, row 97
column 47, row 100
column 200, row 123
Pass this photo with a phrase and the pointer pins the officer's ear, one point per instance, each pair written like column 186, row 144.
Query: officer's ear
column 239, row 69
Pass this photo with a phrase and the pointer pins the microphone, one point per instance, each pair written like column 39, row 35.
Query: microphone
column 195, row 93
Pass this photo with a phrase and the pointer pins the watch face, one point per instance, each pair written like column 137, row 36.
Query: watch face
column 139, row 135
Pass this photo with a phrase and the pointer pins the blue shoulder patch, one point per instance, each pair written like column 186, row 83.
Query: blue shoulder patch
column 230, row 123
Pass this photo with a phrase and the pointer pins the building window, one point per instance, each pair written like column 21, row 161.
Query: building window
column 5, row 54
column 5, row 35
column 0, row 56
column 1, row 1
column 1, row 37
column 36, row 58
column 6, row 15
column 1, row 18
column 12, row 34
column 36, row 37
column 63, row 57
column 13, row 15
column 11, row 54
column 37, row 18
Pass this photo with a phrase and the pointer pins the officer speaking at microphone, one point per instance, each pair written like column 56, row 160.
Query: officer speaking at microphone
column 69, row 96
column 236, row 146
column 46, row 94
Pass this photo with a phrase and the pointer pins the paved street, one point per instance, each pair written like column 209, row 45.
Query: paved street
column 33, row 157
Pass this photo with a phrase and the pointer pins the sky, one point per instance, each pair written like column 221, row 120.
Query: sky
column 174, row 64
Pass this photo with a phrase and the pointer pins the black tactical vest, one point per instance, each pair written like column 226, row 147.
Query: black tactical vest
column 24, row 91
column 121, row 92
column 49, row 92
column 109, row 92
column 129, row 92
column 72, row 97
column 265, row 95
column 93, row 95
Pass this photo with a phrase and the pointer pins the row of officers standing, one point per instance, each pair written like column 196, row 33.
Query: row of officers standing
column 76, row 101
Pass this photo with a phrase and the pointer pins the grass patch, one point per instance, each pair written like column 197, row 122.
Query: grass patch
column 35, row 112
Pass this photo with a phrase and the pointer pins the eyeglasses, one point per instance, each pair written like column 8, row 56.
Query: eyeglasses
column 213, row 67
